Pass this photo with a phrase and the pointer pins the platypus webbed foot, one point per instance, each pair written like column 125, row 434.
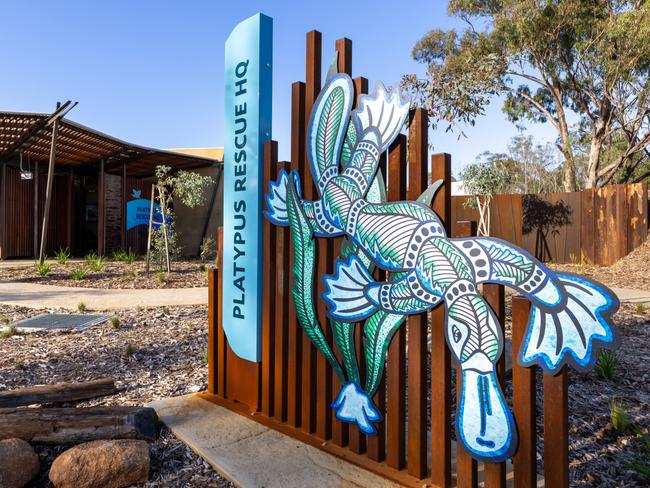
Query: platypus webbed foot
column 354, row 406
column 571, row 333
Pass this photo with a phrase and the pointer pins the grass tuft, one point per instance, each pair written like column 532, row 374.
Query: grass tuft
column 606, row 364
column 130, row 350
column 62, row 255
column 81, row 307
column 640, row 308
column 78, row 274
column 8, row 332
column 43, row 269
column 620, row 418
column 115, row 322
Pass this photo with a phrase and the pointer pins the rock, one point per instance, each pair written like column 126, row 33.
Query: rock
column 102, row 464
column 18, row 463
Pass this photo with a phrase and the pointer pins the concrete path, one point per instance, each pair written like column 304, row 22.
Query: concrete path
column 628, row 295
column 50, row 296
column 251, row 455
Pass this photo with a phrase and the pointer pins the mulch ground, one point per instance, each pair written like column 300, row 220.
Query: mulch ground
column 151, row 354
column 114, row 274
column 156, row 355
column 630, row 272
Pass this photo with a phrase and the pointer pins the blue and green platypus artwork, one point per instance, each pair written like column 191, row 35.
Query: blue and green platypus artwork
column 570, row 316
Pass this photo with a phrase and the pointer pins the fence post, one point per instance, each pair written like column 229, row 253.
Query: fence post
column 556, row 429
column 417, row 324
column 466, row 466
column 396, row 365
column 440, row 355
column 523, row 401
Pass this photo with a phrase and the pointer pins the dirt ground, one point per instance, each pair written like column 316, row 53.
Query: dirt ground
column 633, row 271
column 150, row 353
column 114, row 274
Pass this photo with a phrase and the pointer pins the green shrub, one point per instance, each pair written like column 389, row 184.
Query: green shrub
column 130, row 256
column 606, row 364
column 640, row 308
column 620, row 418
column 43, row 269
column 62, row 255
column 81, row 306
column 165, row 310
column 162, row 277
column 90, row 257
column 5, row 320
column 98, row 264
column 119, row 255
column 130, row 350
column 8, row 332
column 78, row 274
column 208, row 249
column 115, row 322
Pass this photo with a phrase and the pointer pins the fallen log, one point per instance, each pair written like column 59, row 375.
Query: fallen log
column 61, row 392
column 75, row 425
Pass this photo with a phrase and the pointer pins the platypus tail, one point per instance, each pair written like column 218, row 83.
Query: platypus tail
column 572, row 332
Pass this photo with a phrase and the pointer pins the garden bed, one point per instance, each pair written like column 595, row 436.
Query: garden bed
column 629, row 272
column 113, row 274
column 156, row 354
column 150, row 353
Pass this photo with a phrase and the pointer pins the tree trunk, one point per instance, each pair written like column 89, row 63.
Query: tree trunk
column 570, row 180
column 75, row 425
column 594, row 159
column 62, row 392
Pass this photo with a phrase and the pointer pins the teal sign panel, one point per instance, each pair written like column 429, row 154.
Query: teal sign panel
column 249, row 53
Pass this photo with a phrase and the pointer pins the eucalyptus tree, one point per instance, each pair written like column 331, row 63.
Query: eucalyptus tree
column 551, row 60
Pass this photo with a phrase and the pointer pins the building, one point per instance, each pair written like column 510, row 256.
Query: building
column 94, row 175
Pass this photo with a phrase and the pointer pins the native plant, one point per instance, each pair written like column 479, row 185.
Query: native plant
column 483, row 180
column 62, row 256
column 8, row 332
column 81, row 307
column 208, row 249
column 97, row 264
column 78, row 274
column 43, row 269
column 189, row 187
column 606, row 364
column 620, row 418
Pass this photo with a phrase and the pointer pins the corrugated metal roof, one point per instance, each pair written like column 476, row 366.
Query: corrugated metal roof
column 78, row 146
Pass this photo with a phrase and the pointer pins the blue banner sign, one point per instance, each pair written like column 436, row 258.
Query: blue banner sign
column 248, row 57
column 137, row 213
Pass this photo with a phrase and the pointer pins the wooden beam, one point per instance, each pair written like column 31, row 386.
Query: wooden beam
column 3, row 213
column 61, row 392
column 48, row 189
column 75, row 425
column 101, row 210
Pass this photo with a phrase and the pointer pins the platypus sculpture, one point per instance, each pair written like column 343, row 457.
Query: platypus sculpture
column 570, row 316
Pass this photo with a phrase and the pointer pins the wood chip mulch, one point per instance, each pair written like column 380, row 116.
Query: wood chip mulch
column 156, row 355
column 152, row 354
column 633, row 271
column 121, row 275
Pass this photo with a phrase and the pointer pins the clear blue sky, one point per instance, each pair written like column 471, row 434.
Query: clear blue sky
column 151, row 72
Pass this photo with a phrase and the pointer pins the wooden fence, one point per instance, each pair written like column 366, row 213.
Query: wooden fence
column 605, row 224
column 292, row 388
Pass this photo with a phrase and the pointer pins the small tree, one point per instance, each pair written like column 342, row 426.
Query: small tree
column 483, row 180
column 190, row 189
